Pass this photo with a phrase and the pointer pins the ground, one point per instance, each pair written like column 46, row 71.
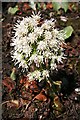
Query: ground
column 42, row 109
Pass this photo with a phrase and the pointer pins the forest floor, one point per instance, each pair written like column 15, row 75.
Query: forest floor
column 41, row 110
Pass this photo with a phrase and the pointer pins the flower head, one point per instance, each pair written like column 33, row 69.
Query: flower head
column 34, row 44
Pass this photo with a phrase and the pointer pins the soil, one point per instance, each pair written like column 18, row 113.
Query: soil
column 42, row 110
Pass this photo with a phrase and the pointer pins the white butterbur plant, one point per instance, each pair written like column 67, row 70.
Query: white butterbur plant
column 38, row 45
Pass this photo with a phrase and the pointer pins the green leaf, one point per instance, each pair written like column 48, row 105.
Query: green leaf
column 13, row 75
column 44, row 6
column 39, row 6
column 32, row 4
column 56, row 5
column 63, row 4
column 67, row 32
column 12, row 11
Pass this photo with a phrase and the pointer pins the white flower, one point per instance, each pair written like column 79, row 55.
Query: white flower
column 52, row 43
column 59, row 59
column 53, row 66
column 45, row 74
column 38, row 31
column 20, row 60
column 40, row 59
column 30, row 76
column 41, row 46
column 33, row 58
column 55, row 33
column 32, row 22
column 27, row 50
column 23, row 64
column 34, row 44
column 34, row 75
column 36, row 17
column 31, row 38
column 21, row 29
column 48, row 35
column 47, row 54
column 36, row 58
column 38, row 75
column 45, row 26
column 48, row 24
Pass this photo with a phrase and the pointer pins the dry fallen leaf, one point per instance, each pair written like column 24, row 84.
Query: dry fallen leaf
column 27, row 84
column 25, row 7
column 24, row 79
column 11, row 103
column 34, row 86
column 49, row 6
column 15, row 102
column 9, row 83
column 41, row 97
column 57, row 103
column 57, row 83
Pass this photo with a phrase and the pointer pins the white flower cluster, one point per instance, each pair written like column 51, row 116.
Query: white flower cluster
column 38, row 75
column 34, row 44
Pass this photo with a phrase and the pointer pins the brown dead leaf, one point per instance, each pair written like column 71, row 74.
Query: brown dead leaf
column 9, row 83
column 27, row 84
column 34, row 86
column 24, row 79
column 15, row 102
column 57, row 103
column 49, row 6
column 41, row 97
column 57, row 83
column 11, row 103
column 25, row 7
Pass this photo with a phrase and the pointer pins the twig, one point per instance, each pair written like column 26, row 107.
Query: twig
column 61, row 115
column 4, row 102
column 28, row 105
